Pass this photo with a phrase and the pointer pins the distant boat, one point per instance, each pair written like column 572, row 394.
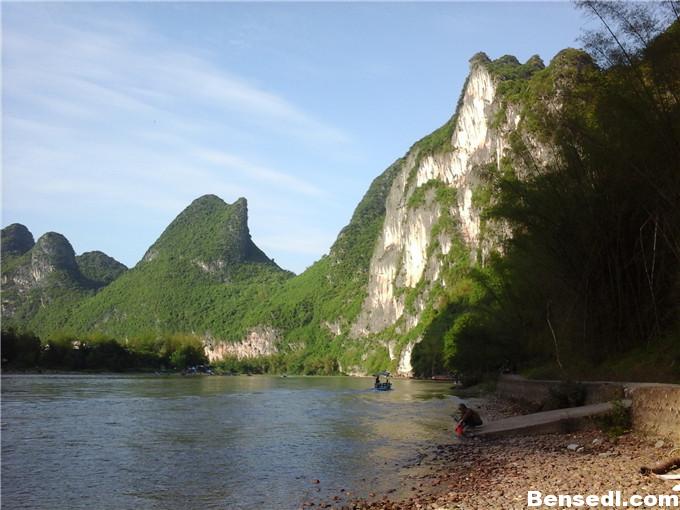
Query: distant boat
column 380, row 385
column 444, row 377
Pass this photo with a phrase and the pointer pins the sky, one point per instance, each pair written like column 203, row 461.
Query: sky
column 115, row 116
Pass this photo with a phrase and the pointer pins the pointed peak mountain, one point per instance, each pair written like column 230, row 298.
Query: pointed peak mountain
column 16, row 240
column 240, row 207
column 208, row 204
column 209, row 233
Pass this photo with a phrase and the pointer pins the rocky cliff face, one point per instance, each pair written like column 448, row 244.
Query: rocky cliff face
column 412, row 247
column 259, row 341
column 51, row 253
column 29, row 281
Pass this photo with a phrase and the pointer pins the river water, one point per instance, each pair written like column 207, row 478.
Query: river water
column 172, row 442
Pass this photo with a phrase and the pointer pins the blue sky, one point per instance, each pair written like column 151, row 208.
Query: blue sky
column 117, row 115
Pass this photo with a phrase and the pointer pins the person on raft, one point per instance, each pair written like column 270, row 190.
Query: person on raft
column 468, row 418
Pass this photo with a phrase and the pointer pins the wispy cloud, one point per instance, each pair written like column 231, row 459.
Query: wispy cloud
column 305, row 243
column 229, row 161
column 113, row 66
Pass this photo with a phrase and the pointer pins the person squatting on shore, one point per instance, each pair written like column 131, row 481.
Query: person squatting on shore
column 468, row 418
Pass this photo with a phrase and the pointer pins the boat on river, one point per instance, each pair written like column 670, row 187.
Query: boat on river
column 381, row 385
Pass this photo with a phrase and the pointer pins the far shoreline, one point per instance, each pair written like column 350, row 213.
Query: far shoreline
column 32, row 372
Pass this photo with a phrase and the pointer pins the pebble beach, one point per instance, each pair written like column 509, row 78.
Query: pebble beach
column 476, row 473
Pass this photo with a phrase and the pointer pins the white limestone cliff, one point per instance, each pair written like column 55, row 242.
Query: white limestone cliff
column 259, row 341
column 404, row 255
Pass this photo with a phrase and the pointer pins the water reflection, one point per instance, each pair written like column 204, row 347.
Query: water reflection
column 209, row 442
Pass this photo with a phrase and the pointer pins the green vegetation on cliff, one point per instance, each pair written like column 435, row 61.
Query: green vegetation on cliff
column 205, row 276
column 591, row 275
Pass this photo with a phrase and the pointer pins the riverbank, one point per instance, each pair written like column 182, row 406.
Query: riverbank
column 498, row 473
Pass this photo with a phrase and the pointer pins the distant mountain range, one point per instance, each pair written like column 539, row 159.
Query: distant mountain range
column 46, row 274
column 200, row 271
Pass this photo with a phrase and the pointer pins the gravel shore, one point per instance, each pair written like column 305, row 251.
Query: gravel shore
column 497, row 473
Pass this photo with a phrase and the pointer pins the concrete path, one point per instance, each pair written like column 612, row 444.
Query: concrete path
column 559, row 420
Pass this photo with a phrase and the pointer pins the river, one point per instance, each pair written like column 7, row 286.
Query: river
column 172, row 442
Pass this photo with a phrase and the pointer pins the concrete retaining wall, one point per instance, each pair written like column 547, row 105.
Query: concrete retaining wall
column 655, row 407
column 656, row 410
column 547, row 395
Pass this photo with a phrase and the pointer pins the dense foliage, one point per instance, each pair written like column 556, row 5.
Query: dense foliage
column 42, row 282
column 204, row 275
column 99, row 352
column 98, row 269
column 590, row 279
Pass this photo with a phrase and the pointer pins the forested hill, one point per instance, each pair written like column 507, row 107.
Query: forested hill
column 201, row 276
column 42, row 280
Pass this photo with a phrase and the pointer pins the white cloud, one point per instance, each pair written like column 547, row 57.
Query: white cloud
column 108, row 67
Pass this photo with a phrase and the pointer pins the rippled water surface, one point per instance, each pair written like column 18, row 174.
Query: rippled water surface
column 133, row 442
